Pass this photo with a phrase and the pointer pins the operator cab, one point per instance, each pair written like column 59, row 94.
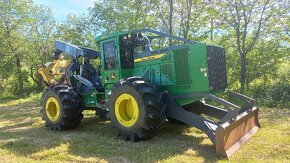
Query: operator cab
column 117, row 54
column 121, row 51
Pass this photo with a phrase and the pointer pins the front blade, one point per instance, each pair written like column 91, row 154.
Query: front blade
column 230, row 136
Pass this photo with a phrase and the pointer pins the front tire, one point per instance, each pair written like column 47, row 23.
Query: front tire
column 136, row 109
column 61, row 108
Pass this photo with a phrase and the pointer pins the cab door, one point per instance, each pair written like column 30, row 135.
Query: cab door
column 110, row 60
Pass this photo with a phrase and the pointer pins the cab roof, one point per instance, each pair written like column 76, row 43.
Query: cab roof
column 110, row 35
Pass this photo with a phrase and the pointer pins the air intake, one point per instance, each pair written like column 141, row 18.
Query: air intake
column 217, row 74
column 181, row 66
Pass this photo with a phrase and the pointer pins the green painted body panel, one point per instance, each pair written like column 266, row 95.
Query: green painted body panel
column 183, row 70
column 112, row 76
column 89, row 99
column 179, row 71
column 198, row 67
column 92, row 99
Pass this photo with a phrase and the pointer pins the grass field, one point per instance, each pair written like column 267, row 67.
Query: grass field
column 23, row 138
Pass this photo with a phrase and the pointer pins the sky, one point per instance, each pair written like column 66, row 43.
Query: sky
column 61, row 8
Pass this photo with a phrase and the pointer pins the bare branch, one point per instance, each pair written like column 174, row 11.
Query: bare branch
column 259, row 27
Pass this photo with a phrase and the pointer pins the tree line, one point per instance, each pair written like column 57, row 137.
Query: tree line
column 255, row 34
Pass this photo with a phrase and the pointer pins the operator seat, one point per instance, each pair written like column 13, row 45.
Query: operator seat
column 89, row 73
column 93, row 76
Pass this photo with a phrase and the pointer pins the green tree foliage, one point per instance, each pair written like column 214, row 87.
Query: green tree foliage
column 40, row 35
column 255, row 34
column 245, row 22
column 14, row 16
column 112, row 15
column 77, row 30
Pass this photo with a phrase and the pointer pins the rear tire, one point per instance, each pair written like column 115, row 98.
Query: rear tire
column 136, row 109
column 61, row 108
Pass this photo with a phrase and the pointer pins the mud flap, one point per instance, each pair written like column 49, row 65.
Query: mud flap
column 230, row 136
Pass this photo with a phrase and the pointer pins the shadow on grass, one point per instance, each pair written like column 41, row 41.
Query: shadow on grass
column 4, row 99
column 96, row 138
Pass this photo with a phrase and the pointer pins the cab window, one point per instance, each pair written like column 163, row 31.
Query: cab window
column 126, row 53
column 109, row 49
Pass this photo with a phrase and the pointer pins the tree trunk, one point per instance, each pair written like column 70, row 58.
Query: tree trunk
column 39, row 84
column 36, row 79
column 211, row 30
column 170, row 20
column 19, row 76
column 189, row 6
column 243, row 72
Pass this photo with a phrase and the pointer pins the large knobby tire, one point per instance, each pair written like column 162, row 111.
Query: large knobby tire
column 61, row 108
column 136, row 109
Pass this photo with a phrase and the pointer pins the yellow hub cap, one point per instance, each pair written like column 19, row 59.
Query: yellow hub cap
column 126, row 110
column 52, row 109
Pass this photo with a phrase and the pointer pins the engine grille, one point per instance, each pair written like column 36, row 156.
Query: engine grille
column 217, row 74
column 181, row 66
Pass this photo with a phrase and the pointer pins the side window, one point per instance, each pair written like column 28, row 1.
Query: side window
column 109, row 50
column 127, row 60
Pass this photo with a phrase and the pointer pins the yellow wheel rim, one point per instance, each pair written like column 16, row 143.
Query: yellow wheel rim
column 126, row 110
column 52, row 109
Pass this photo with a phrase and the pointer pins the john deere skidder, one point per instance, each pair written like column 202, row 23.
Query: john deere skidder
column 141, row 82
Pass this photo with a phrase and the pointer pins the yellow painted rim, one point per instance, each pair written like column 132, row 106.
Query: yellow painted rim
column 52, row 109
column 126, row 110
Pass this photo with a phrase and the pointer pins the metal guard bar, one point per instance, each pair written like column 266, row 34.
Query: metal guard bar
column 233, row 110
column 236, row 124
column 163, row 34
